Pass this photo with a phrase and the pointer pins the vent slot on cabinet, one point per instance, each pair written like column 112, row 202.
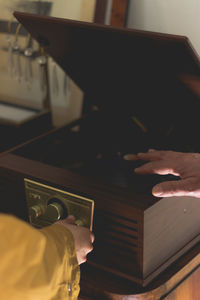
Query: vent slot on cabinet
column 116, row 242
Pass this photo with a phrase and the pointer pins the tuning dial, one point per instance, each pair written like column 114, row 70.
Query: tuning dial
column 36, row 211
column 54, row 212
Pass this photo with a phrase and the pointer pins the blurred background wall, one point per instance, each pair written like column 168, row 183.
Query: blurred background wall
column 168, row 16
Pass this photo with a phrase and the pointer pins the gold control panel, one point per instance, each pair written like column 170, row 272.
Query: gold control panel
column 47, row 205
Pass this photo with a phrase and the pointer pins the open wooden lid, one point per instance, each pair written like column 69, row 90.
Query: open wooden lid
column 114, row 65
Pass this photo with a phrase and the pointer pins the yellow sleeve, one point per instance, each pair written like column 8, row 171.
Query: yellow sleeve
column 37, row 264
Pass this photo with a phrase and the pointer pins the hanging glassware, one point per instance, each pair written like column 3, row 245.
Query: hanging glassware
column 66, row 88
column 17, row 70
column 55, row 83
column 28, row 53
column 42, row 60
column 10, row 49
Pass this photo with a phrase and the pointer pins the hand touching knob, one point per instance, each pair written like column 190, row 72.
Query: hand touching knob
column 53, row 212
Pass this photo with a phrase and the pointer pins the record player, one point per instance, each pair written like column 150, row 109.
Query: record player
column 139, row 94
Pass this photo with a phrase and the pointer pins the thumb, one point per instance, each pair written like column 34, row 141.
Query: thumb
column 172, row 188
column 70, row 219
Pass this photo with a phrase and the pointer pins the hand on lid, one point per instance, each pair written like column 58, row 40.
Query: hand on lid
column 184, row 165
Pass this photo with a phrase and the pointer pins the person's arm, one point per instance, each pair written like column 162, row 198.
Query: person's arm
column 184, row 165
column 37, row 264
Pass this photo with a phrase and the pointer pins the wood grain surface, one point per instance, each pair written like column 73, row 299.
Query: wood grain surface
column 118, row 13
column 189, row 289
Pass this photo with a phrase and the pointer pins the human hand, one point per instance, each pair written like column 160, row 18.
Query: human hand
column 83, row 238
column 185, row 165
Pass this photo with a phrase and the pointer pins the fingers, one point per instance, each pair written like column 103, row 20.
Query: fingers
column 89, row 249
column 152, row 155
column 70, row 219
column 185, row 187
column 82, row 256
column 86, row 245
column 92, row 237
column 131, row 157
column 160, row 162
column 158, row 167
column 185, row 165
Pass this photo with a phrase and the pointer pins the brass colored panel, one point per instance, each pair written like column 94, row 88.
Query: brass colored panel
column 47, row 204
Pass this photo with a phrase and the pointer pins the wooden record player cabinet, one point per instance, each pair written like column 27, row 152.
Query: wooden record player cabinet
column 144, row 246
